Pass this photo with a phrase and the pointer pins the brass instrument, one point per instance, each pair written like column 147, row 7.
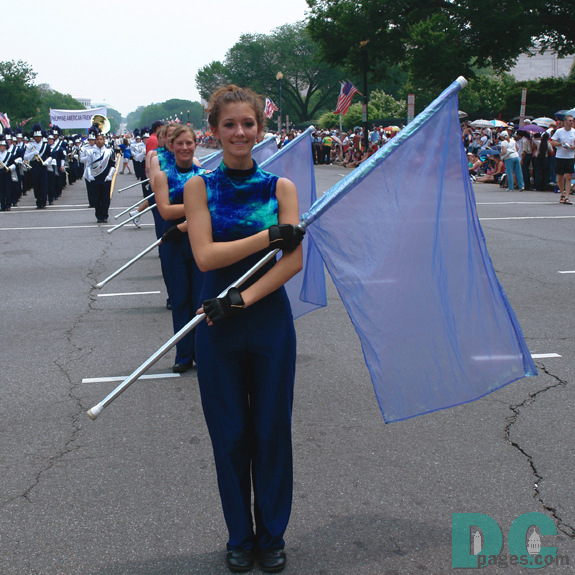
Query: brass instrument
column 102, row 122
column 37, row 157
column 3, row 165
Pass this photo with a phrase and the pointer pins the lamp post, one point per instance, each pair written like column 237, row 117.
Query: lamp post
column 188, row 117
column 364, row 110
column 279, row 78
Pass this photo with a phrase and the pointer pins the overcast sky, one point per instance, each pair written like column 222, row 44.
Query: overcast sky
column 136, row 52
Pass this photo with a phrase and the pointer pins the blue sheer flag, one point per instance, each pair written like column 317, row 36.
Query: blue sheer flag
column 260, row 153
column 402, row 242
column 294, row 161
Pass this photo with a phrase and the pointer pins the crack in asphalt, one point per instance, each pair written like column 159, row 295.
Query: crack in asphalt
column 516, row 409
column 74, row 354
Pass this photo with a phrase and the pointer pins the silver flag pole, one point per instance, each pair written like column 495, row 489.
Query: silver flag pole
column 131, row 219
column 97, row 409
column 127, row 265
column 134, row 206
column 133, row 185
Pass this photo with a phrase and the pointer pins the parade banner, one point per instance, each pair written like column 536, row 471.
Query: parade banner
column 401, row 239
column 74, row 119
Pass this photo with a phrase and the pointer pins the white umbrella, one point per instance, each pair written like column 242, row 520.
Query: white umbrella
column 499, row 124
column 543, row 121
column 481, row 124
column 462, row 114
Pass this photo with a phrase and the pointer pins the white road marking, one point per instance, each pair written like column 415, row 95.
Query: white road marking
column 127, row 293
column 506, row 357
column 567, row 272
column 530, row 218
column 66, row 227
column 120, row 378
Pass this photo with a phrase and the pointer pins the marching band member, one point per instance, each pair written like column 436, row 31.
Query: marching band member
column 139, row 156
column 85, row 155
column 7, row 171
column 246, row 348
column 13, row 159
column 181, row 274
column 37, row 152
column 19, row 148
column 101, row 163
column 59, row 171
column 52, row 168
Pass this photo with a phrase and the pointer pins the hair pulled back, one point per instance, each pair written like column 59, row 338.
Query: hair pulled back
column 232, row 94
column 180, row 130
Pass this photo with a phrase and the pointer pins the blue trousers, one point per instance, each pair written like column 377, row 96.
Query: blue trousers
column 183, row 281
column 513, row 165
column 246, row 372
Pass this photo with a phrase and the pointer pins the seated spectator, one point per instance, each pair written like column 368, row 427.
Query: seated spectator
column 494, row 173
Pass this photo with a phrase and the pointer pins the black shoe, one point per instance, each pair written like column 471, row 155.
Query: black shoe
column 168, row 304
column 240, row 560
column 272, row 560
column 181, row 367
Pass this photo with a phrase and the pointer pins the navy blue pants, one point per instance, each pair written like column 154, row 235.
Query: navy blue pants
column 101, row 198
column 5, row 190
column 183, row 281
column 40, row 184
column 246, row 372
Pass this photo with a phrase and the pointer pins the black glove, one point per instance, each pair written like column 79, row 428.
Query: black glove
column 172, row 234
column 224, row 307
column 285, row 237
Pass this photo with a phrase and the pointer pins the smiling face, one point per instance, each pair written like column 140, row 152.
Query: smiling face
column 184, row 147
column 237, row 131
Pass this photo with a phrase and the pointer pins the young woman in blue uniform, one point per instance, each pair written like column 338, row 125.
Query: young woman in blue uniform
column 181, row 274
column 246, row 348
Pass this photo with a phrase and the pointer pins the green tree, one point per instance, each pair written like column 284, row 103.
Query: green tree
column 438, row 40
column 486, row 96
column 308, row 85
column 146, row 115
column 19, row 97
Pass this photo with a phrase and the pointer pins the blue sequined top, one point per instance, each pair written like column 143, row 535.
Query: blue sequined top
column 166, row 158
column 177, row 178
column 241, row 202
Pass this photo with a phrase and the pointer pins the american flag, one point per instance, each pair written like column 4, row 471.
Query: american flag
column 345, row 96
column 178, row 120
column 270, row 108
column 25, row 121
column 4, row 120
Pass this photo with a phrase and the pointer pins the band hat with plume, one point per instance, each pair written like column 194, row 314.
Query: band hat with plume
column 37, row 130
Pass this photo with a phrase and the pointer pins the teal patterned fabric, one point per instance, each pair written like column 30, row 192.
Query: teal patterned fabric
column 166, row 158
column 177, row 178
column 241, row 202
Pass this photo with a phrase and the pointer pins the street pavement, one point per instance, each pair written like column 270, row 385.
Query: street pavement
column 134, row 492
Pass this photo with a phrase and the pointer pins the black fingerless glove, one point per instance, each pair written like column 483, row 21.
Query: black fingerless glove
column 172, row 234
column 285, row 237
column 224, row 307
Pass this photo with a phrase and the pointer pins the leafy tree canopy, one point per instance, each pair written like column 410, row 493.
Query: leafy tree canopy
column 18, row 95
column 438, row 40
column 308, row 85
column 146, row 115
